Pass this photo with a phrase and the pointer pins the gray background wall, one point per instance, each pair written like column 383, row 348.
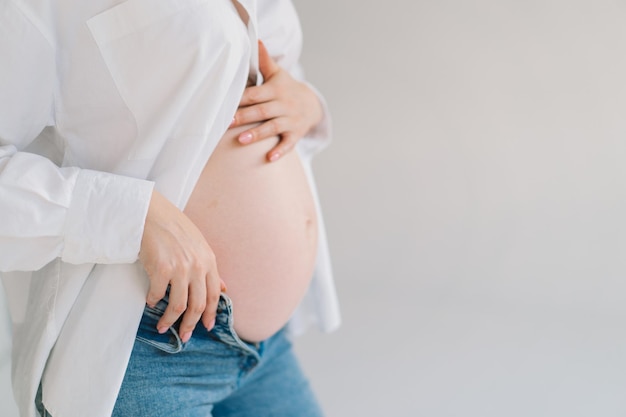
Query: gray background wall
column 475, row 197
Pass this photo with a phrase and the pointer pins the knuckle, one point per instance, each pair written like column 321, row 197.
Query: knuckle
column 254, row 95
column 274, row 87
column 274, row 125
column 264, row 112
column 178, row 308
column 241, row 116
column 154, row 296
column 212, row 298
column 210, row 260
column 163, row 268
column 184, row 270
column 168, row 267
column 197, row 308
column 196, row 265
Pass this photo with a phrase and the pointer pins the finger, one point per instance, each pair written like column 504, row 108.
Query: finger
column 267, row 65
column 196, row 303
column 257, row 94
column 286, row 145
column 213, row 285
column 176, row 306
column 156, row 291
column 259, row 112
column 269, row 129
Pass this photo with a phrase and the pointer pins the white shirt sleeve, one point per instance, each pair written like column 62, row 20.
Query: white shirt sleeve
column 46, row 211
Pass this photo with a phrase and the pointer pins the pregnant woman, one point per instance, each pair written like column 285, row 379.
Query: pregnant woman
column 161, row 226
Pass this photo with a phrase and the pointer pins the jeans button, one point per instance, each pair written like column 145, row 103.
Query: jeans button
column 250, row 363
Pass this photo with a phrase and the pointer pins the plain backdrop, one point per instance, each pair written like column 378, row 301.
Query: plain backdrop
column 475, row 198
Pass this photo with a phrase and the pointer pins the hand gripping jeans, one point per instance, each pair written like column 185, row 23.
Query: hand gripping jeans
column 214, row 374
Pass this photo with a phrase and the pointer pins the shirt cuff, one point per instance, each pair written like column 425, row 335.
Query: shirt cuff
column 105, row 219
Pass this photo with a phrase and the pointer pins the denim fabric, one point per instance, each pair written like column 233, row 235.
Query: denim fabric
column 214, row 374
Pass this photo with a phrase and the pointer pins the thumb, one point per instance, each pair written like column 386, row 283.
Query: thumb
column 267, row 65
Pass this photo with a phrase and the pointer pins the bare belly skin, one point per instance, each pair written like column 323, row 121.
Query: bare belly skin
column 259, row 219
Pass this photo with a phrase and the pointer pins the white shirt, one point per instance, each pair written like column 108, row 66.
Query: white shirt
column 101, row 101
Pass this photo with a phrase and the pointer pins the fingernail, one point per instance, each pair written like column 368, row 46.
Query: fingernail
column 162, row 329
column 223, row 287
column 232, row 122
column 211, row 325
column 274, row 156
column 245, row 137
column 185, row 337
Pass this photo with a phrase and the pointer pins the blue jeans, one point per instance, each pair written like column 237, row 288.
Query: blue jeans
column 214, row 374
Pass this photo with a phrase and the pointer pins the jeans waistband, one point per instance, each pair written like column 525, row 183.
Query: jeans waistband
column 223, row 330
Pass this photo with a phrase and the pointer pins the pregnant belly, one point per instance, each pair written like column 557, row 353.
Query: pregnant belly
column 259, row 219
